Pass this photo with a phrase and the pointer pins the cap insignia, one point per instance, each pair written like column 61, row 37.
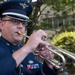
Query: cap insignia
column 23, row 5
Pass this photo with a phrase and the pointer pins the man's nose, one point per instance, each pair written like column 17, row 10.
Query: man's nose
column 20, row 25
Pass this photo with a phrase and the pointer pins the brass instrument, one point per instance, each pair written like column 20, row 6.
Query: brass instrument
column 58, row 51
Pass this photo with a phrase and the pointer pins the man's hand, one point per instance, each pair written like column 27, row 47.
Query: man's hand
column 47, row 54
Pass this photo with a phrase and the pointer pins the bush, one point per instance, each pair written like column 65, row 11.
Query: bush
column 66, row 40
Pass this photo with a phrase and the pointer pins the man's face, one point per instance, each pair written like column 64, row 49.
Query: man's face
column 10, row 28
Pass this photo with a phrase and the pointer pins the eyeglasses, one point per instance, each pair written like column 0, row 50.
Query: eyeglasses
column 17, row 22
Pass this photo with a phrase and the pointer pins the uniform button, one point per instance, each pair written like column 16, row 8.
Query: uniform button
column 30, row 61
column 21, row 65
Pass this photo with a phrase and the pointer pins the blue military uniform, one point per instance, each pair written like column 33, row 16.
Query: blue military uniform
column 30, row 66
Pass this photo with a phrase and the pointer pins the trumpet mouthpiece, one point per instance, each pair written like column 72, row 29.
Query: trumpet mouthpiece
column 19, row 32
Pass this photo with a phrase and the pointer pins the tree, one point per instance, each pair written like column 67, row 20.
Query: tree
column 59, row 6
column 63, row 6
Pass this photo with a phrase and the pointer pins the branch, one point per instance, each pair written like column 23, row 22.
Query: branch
column 41, row 11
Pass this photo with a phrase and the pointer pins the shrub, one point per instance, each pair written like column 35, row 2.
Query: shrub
column 65, row 40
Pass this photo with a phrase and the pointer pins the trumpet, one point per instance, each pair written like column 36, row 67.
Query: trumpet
column 58, row 51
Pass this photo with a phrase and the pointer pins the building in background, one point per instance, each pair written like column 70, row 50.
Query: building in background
column 47, row 16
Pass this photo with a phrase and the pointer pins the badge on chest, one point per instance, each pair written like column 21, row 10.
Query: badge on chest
column 32, row 65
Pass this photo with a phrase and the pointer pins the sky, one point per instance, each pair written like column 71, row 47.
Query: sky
column 34, row 0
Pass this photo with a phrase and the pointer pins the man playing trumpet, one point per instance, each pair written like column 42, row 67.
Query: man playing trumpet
column 16, row 59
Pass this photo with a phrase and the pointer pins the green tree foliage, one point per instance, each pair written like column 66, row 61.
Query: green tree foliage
column 44, row 25
column 63, row 6
column 67, row 27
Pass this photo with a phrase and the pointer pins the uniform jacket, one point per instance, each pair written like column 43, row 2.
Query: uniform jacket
column 29, row 66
